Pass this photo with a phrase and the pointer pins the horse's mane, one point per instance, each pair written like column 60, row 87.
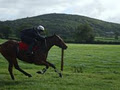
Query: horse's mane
column 49, row 37
column 53, row 36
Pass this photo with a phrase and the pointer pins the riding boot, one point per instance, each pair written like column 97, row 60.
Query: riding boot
column 29, row 52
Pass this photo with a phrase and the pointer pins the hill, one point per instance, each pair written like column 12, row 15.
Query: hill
column 62, row 24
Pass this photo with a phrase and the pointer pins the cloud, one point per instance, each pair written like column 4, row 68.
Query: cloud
column 91, row 8
column 13, row 9
column 101, row 9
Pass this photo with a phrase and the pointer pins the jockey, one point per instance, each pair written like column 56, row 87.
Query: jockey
column 30, row 36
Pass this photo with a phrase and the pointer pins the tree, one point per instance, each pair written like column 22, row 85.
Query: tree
column 5, row 31
column 116, row 35
column 20, row 28
column 84, row 34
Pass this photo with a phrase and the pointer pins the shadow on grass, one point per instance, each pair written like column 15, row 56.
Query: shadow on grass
column 2, row 83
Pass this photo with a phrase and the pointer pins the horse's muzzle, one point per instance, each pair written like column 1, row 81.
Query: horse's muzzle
column 65, row 47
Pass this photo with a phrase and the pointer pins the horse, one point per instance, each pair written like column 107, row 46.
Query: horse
column 11, row 52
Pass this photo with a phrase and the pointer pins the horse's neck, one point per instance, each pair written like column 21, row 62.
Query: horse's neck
column 49, row 42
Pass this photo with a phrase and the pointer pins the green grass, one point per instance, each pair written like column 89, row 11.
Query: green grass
column 86, row 67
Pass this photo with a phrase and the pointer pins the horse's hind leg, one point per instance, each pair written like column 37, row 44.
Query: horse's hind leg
column 18, row 68
column 10, row 69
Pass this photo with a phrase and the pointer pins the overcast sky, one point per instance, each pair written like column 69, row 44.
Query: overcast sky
column 107, row 10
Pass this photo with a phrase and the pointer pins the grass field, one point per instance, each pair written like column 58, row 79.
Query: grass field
column 86, row 67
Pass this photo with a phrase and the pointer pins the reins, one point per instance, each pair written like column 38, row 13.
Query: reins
column 45, row 43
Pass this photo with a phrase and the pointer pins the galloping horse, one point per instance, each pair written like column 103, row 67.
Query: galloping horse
column 10, row 50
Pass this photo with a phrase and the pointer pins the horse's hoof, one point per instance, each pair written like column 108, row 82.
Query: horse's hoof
column 29, row 75
column 60, row 75
column 39, row 72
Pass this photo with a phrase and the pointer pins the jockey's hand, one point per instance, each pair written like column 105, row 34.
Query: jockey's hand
column 39, row 38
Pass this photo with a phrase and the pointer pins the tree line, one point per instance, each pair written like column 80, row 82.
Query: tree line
column 83, row 33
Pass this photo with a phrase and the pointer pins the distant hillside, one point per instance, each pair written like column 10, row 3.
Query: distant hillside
column 62, row 24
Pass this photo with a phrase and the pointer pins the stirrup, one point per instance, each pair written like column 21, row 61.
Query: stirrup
column 29, row 53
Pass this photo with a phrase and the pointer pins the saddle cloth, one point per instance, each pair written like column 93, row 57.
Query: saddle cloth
column 24, row 46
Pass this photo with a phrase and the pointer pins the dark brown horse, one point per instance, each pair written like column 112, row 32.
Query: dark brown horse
column 11, row 52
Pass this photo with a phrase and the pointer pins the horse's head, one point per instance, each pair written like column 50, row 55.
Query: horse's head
column 59, row 42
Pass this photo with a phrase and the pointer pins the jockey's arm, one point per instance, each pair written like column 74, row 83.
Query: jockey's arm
column 39, row 38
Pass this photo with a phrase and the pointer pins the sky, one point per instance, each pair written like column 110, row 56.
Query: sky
column 107, row 10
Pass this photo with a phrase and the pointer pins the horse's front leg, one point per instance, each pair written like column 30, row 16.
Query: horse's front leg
column 43, row 70
column 47, row 64
column 53, row 66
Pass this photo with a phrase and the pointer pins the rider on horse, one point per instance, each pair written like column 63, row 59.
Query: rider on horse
column 30, row 36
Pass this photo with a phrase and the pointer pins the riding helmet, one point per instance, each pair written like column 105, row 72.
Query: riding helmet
column 40, row 27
